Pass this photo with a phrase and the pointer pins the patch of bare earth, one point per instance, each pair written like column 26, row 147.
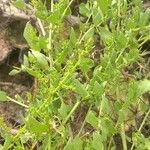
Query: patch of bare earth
column 19, row 84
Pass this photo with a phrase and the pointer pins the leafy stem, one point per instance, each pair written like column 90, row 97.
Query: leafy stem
column 123, row 137
column 71, row 112
column 142, row 124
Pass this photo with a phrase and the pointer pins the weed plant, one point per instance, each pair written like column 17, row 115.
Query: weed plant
column 89, row 87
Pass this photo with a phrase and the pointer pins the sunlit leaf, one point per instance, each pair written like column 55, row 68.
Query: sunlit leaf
column 86, row 64
column 3, row 96
column 41, row 10
column 84, row 9
column 144, row 86
column 34, row 126
column 79, row 88
column 41, row 59
column 75, row 144
column 31, row 37
column 97, row 142
column 104, row 6
column 20, row 4
column 92, row 119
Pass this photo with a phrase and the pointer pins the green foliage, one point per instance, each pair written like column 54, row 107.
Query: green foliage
column 14, row 72
column 78, row 88
column 74, row 144
column 141, row 142
column 97, row 142
column 20, row 4
column 35, row 127
column 84, row 9
column 35, row 42
column 144, row 87
column 41, row 10
column 92, row 119
column 3, row 96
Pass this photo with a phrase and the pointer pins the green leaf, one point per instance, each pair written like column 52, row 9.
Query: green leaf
column 25, row 61
column 41, row 59
column 75, row 144
column 121, row 40
column 35, row 126
column 79, row 88
column 98, row 89
column 3, row 96
column 89, row 34
column 143, row 87
column 35, row 42
column 8, row 141
column 14, row 72
column 108, row 126
column 55, row 17
column 86, row 64
column 84, row 9
column 41, row 10
column 96, row 77
column 104, row 6
column 106, row 35
column 130, row 24
column 147, row 144
column 92, row 119
column 121, row 116
column 30, row 71
column 105, row 106
column 25, row 138
column 46, row 142
column 118, row 106
column 20, row 4
column 78, row 143
column 66, row 49
column 73, row 38
column 59, row 12
column 97, row 18
column 132, row 94
column 31, row 37
column 137, row 3
column 132, row 56
column 63, row 110
column 144, row 18
column 143, row 106
column 97, row 142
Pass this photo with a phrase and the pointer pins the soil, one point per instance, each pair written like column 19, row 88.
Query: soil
column 13, row 85
column 10, row 51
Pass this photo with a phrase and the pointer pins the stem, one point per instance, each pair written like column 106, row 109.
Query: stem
column 122, row 51
column 85, row 35
column 19, row 103
column 109, row 146
column 41, row 27
column 50, row 37
column 71, row 112
column 119, row 12
column 143, row 122
column 141, row 126
column 66, row 9
column 82, row 126
column 123, row 137
column 146, row 39
column 137, row 29
column 81, row 34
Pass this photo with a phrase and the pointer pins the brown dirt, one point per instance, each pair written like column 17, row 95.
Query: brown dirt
column 13, row 85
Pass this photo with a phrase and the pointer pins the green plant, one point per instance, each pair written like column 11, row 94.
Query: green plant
column 70, row 74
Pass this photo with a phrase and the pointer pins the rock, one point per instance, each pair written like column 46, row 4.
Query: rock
column 5, row 49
